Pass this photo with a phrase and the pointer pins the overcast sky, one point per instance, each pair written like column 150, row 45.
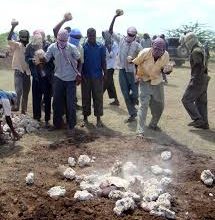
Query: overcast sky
column 152, row 16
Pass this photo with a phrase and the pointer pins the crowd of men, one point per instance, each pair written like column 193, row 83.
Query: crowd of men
column 58, row 68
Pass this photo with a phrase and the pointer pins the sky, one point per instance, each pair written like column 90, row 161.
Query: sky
column 151, row 16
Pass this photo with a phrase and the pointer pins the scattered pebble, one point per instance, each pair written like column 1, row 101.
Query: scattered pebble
column 83, row 195
column 207, row 177
column 29, row 178
column 84, row 160
column 157, row 170
column 123, row 205
column 57, row 191
column 71, row 161
column 166, row 155
column 69, row 174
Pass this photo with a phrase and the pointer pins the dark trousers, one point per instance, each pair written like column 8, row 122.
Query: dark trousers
column 195, row 100
column 129, row 90
column 64, row 93
column 41, row 90
column 109, row 84
column 92, row 88
column 22, row 84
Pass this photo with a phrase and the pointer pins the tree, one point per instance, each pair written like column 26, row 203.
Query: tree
column 201, row 30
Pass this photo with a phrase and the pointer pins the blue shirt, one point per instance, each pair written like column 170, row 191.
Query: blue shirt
column 94, row 57
column 65, row 61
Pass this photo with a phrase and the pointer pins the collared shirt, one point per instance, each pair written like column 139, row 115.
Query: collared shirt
column 127, row 49
column 18, row 61
column 65, row 62
column 94, row 56
column 148, row 69
column 146, row 43
column 111, row 56
column 5, row 103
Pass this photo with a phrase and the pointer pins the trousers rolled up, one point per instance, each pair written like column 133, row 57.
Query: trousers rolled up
column 151, row 96
column 92, row 88
column 129, row 90
column 22, row 83
column 41, row 90
column 64, row 94
column 195, row 100
column 109, row 84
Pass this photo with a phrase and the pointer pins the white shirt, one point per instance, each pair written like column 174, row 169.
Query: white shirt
column 5, row 106
column 111, row 57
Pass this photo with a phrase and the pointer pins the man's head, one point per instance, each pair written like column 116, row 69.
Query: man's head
column 146, row 36
column 190, row 40
column 40, row 31
column 68, row 29
column 37, row 40
column 154, row 37
column 162, row 36
column 91, row 35
column 75, row 36
column 62, row 38
column 131, row 34
column 24, row 36
column 158, row 47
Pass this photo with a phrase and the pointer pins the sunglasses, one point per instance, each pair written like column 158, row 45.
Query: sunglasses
column 131, row 35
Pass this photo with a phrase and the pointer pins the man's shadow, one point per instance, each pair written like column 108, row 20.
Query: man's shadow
column 208, row 135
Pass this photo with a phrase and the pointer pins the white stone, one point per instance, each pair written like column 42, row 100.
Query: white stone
column 157, row 213
column 57, row 191
column 211, row 194
column 30, row 129
column 21, row 131
column 164, row 200
column 117, row 169
column 166, row 155
column 71, row 161
column 157, row 170
column 84, row 160
column 123, row 205
column 167, row 172
column 207, row 177
column 79, row 178
column 167, row 213
column 93, row 178
column 92, row 188
column 165, row 181
column 83, row 195
column 69, row 173
column 6, row 128
column 30, row 178
column 129, row 169
column 149, row 206
column 116, row 194
column 132, row 195
column 114, row 180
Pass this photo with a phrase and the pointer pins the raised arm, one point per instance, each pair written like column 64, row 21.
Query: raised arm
column 67, row 17
column 13, row 25
column 118, row 13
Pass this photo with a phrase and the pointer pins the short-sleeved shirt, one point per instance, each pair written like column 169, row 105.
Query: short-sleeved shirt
column 5, row 103
column 18, row 61
column 65, row 61
column 111, row 56
column 148, row 69
column 127, row 49
column 94, row 56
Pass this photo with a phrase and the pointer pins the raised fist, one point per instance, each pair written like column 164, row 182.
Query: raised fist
column 119, row 12
column 68, row 16
column 14, row 22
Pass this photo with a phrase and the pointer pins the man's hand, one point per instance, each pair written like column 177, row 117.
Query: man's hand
column 16, row 136
column 78, row 79
column 68, row 16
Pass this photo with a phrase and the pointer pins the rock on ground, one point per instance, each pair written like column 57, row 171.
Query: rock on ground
column 71, row 161
column 157, row 170
column 84, row 160
column 207, row 177
column 69, row 174
column 30, row 178
column 166, row 155
column 83, row 195
column 57, row 191
column 123, row 205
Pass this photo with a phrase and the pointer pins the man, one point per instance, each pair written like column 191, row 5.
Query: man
column 151, row 63
column 42, row 77
column 128, row 49
column 207, row 53
column 74, row 38
column 22, row 72
column 111, row 55
column 146, row 42
column 195, row 96
column 94, row 68
column 7, row 99
column 67, row 59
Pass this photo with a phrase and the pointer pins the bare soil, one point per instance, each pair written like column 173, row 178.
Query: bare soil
column 18, row 201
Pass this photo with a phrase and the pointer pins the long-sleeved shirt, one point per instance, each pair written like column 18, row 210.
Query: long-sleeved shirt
column 65, row 61
column 18, row 61
column 127, row 49
column 148, row 69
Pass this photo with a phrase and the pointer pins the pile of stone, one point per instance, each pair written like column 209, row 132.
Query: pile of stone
column 23, row 124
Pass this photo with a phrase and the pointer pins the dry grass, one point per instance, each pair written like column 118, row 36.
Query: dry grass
column 173, row 123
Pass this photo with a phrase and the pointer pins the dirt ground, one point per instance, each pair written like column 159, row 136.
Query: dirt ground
column 193, row 151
